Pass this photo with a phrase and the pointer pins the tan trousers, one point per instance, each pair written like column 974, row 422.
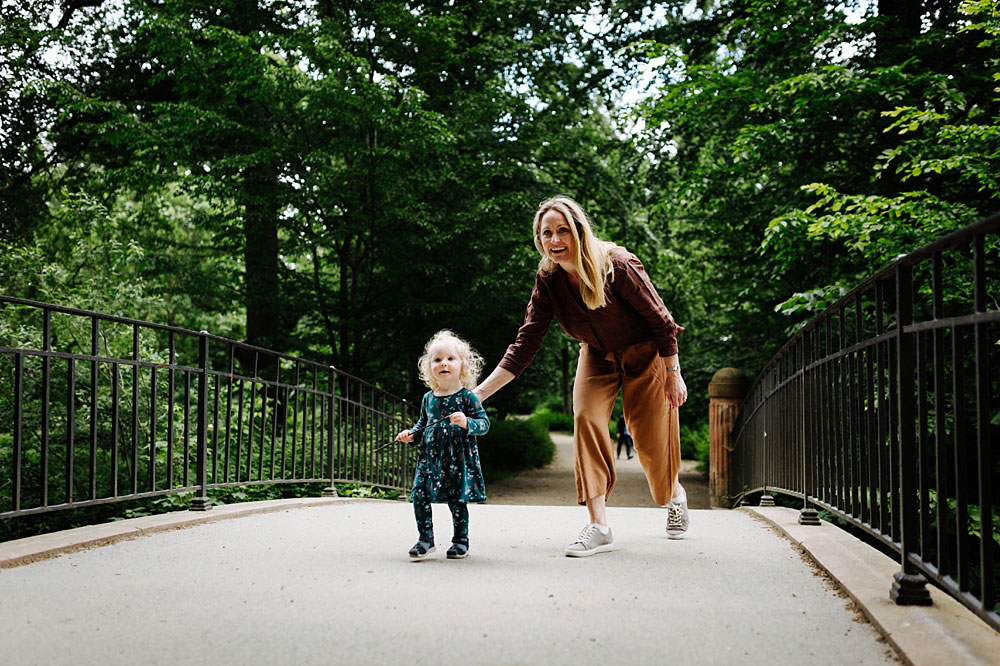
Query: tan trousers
column 640, row 372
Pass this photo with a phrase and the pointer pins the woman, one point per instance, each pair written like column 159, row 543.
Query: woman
column 600, row 294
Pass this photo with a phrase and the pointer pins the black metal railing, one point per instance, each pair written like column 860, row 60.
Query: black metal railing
column 97, row 409
column 885, row 411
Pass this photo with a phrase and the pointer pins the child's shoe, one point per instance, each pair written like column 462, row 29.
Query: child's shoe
column 459, row 549
column 422, row 548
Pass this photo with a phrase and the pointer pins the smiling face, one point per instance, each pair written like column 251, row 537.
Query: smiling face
column 445, row 365
column 557, row 240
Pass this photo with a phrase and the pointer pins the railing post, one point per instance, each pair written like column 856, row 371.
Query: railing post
column 909, row 587
column 331, row 490
column 201, row 502
column 808, row 515
column 726, row 392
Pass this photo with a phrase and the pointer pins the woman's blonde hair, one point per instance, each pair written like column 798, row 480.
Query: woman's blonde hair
column 472, row 362
column 593, row 255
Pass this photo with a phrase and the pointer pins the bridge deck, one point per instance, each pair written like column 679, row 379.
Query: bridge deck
column 332, row 583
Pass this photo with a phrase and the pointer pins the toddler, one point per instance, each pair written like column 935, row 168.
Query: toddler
column 448, row 467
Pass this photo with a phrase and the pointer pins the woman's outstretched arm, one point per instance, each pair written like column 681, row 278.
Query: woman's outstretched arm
column 499, row 378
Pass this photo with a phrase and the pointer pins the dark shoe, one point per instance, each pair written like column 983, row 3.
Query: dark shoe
column 459, row 549
column 422, row 548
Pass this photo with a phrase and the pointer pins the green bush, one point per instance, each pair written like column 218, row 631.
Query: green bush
column 514, row 445
column 554, row 419
column 694, row 442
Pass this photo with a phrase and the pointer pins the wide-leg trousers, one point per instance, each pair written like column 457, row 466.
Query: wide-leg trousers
column 640, row 373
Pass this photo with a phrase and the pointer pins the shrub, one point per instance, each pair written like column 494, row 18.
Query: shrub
column 553, row 419
column 514, row 445
column 694, row 442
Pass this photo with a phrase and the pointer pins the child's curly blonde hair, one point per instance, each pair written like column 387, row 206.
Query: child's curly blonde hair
column 472, row 362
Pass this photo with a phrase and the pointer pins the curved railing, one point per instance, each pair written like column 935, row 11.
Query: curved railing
column 885, row 411
column 97, row 409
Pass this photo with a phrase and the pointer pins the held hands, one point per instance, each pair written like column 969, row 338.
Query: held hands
column 460, row 419
column 405, row 436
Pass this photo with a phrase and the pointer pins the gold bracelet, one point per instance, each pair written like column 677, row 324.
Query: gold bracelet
column 673, row 368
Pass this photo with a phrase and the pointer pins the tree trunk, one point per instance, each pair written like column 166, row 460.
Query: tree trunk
column 260, row 229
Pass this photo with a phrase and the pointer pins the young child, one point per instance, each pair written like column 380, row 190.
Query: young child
column 448, row 468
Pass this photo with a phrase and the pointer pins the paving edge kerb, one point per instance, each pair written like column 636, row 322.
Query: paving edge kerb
column 944, row 633
column 31, row 549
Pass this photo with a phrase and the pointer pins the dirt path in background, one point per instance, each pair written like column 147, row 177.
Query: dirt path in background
column 554, row 485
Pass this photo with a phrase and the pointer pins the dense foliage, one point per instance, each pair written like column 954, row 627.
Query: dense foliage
column 340, row 180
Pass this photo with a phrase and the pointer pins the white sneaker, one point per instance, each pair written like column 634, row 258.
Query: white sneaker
column 590, row 542
column 678, row 518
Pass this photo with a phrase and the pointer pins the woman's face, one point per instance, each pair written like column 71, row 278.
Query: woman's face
column 557, row 240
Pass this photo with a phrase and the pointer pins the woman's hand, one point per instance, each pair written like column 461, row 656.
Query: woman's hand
column 404, row 436
column 460, row 419
column 677, row 390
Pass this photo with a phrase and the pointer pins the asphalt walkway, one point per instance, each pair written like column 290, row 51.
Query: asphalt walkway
column 328, row 581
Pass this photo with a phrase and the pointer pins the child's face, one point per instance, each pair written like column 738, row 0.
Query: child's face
column 446, row 364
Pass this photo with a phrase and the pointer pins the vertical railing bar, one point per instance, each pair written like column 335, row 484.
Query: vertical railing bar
column 18, row 442
column 284, row 432
column 200, row 502
column 909, row 586
column 70, row 426
column 860, row 419
column 239, row 433
column 114, row 429
column 45, row 408
column 828, row 461
column 894, row 444
column 941, row 456
column 134, row 472
column 923, row 447
column 94, row 375
column 274, row 412
column 960, row 463
column 983, row 444
column 227, row 470
column 253, row 414
column 171, row 387
column 883, row 465
column 151, row 477
column 187, row 429
column 312, row 428
column 331, row 490
column 295, row 418
column 215, row 429
column 844, row 435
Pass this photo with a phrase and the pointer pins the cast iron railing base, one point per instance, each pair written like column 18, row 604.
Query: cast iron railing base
column 330, row 491
column 809, row 517
column 766, row 500
column 200, row 504
column 910, row 590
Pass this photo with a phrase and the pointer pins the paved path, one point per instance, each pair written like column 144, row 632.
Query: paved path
column 332, row 584
column 553, row 485
column 328, row 581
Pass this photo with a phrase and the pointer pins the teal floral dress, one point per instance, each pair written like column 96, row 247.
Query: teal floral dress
column 448, row 467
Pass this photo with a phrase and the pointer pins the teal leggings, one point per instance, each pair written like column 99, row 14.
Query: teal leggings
column 425, row 521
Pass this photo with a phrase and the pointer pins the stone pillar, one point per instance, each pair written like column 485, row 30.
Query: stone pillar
column 726, row 392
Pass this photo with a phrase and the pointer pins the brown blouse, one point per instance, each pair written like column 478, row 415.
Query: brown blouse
column 634, row 313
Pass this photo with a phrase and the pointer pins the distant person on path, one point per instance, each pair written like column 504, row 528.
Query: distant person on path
column 448, row 467
column 624, row 439
column 600, row 294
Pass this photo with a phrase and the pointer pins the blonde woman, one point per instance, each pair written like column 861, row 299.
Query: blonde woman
column 600, row 295
column 448, row 467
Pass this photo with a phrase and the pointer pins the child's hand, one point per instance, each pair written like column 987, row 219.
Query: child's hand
column 405, row 436
column 459, row 419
